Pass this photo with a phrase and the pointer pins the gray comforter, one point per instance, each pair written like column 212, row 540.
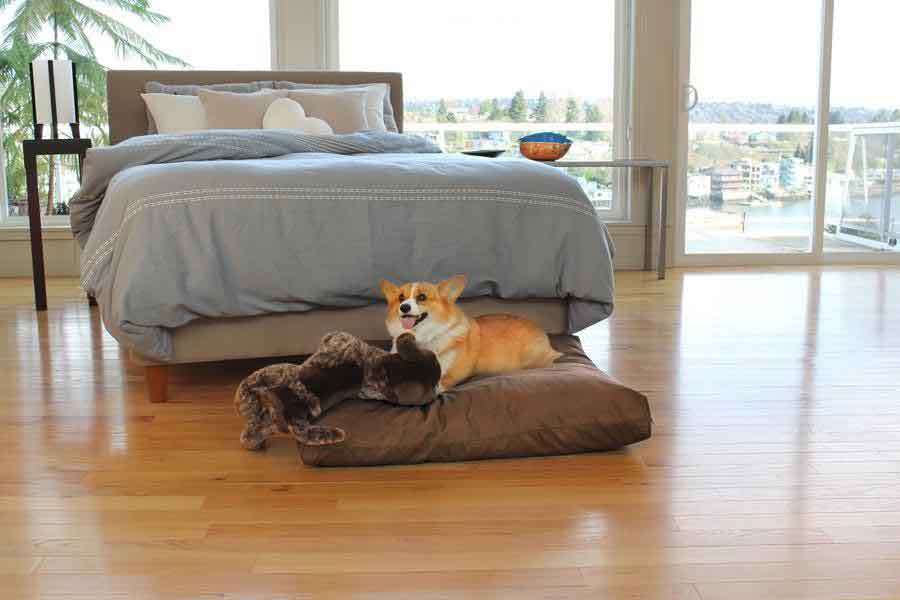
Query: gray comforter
column 237, row 223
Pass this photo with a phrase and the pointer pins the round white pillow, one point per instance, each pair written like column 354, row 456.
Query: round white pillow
column 285, row 113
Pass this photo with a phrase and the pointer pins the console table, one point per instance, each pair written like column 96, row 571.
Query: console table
column 31, row 149
column 652, row 166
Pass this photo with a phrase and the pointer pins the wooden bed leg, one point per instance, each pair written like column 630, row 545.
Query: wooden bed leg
column 157, row 377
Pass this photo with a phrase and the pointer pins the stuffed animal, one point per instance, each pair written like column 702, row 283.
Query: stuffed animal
column 286, row 398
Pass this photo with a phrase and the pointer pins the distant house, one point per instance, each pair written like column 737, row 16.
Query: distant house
column 758, row 175
column 699, row 186
column 761, row 138
column 796, row 175
column 727, row 184
column 735, row 137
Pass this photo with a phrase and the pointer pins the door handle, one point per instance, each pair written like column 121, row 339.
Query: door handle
column 692, row 97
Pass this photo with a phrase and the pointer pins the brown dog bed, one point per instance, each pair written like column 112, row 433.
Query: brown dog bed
column 568, row 408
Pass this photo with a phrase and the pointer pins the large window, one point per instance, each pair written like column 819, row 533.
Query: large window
column 198, row 34
column 750, row 146
column 863, row 182
column 480, row 75
column 757, row 182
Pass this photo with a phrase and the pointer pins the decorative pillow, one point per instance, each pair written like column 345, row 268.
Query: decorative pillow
column 155, row 87
column 230, row 110
column 344, row 110
column 175, row 114
column 285, row 113
column 379, row 119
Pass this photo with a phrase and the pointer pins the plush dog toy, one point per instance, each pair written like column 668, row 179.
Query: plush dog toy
column 286, row 398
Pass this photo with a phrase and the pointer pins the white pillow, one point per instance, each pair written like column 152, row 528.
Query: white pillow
column 375, row 105
column 176, row 114
column 374, row 95
column 285, row 113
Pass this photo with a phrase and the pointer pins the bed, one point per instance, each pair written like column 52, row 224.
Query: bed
column 575, row 290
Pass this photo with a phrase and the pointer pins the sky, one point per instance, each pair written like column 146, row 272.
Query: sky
column 746, row 50
column 208, row 34
column 482, row 48
column 768, row 51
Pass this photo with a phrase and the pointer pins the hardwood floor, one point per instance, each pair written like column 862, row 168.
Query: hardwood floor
column 773, row 471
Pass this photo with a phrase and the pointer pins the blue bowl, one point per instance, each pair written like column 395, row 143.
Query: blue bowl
column 546, row 136
column 545, row 146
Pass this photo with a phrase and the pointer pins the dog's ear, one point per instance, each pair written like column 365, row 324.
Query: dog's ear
column 389, row 290
column 452, row 288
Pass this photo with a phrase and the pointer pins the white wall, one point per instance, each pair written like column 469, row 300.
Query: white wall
column 300, row 43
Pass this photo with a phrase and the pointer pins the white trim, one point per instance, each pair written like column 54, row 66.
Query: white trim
column 817, row 254
column 820, row 139
column 329, row 12
column 623, row 111
column 679, row 168
column 274, row 38
column 51, row 231
column 752, row 260
column 21, row 221
column 4, row 199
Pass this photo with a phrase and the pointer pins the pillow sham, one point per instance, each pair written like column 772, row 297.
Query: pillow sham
column 285, row 113
column 343, row 110
column 380, row 118
column 231, row 110
column 175, row 114
column 155, row 87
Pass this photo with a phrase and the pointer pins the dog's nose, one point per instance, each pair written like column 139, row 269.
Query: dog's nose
column 405, row 308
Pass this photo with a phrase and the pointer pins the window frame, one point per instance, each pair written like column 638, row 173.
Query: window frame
column 623, row 83
column 817, row 254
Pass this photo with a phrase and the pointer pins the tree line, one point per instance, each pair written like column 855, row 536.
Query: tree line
column 836, row 117
column 519, row 110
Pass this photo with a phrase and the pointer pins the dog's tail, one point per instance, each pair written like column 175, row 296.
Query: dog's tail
column 541, row 354
column 550, row 357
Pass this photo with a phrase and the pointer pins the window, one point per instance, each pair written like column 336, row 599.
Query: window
column 757, row 182
column 750, row 145
column 862, row 210
column 480, row 75
column 199, row 34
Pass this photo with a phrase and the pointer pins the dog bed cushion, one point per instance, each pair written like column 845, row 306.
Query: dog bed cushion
column 567, row 408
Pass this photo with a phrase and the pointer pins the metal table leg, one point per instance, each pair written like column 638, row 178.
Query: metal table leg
column 648, row 228
column 663, row 218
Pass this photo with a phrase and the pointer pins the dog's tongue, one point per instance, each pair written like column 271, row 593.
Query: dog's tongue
column 408, row 322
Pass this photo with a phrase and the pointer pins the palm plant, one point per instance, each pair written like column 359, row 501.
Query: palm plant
column 65, row 29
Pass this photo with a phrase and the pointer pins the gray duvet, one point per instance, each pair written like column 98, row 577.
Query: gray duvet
column 237, row 223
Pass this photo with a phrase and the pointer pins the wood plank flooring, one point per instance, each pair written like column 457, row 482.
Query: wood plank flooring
column 773, row 471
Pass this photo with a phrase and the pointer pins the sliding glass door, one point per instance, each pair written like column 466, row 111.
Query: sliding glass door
column 863, row 193
column 755, row 183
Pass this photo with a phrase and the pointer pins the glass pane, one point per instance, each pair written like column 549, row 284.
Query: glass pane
column 863, row 194
column 524, row 69
column 230, row 35
column 199, row 34
column 750, row 160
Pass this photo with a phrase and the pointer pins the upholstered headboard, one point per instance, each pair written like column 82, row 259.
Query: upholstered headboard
column 128, row 115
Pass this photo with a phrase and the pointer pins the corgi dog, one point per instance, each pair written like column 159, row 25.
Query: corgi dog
column 464, row 346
